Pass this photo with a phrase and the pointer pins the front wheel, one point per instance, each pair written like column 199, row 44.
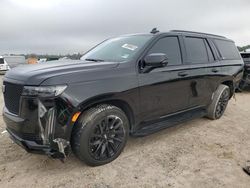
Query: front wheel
column 219, row 103
column 100, row 135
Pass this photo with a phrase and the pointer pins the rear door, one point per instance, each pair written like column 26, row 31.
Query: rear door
column 201, row 73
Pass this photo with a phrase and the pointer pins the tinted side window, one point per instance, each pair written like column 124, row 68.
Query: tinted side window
column 246, row 57
column 209, row 52
column 227, row 49
column 170, row 47
column 1, row 61
column 196, row 50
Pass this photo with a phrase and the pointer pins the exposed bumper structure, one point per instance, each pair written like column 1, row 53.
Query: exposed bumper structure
column 40, row 133
column 33, row 147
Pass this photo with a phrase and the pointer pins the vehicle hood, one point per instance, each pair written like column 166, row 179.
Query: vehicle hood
column 35, row 74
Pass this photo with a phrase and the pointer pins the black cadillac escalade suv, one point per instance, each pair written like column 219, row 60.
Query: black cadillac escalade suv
column 129, row 85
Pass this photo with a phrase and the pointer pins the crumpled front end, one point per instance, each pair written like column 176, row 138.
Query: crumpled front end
column 39, row 125
column 47, row 122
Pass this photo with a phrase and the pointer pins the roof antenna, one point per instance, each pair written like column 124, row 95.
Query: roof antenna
column 154, row 31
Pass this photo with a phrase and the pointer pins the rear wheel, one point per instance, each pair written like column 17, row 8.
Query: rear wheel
column 220, row 100
column 100, row 135
column 241, row 86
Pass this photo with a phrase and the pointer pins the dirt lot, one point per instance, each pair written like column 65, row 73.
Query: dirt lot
column 199, row 153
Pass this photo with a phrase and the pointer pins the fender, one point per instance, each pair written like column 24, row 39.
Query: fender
column 129, row 107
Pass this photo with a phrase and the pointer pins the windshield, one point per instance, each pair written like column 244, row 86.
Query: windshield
column 117, row 49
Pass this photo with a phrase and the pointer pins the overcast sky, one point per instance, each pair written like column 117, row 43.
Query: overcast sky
column 68, row 26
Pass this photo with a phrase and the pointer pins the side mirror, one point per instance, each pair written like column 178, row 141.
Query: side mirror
column 156, row 60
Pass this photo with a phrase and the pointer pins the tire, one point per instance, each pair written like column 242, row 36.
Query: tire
column 100, row 135
column 219, row 103
column 241, row 86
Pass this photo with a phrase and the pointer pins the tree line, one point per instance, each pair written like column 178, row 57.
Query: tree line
column 243, row 48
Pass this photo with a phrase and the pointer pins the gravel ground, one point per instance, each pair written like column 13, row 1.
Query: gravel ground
column 199, row 153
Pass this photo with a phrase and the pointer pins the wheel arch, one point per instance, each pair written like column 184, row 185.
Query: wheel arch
column 123, row 105
column 107, row 99
column 230, row 84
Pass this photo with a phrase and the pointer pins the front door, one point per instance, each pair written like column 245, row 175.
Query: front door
column 164, row 90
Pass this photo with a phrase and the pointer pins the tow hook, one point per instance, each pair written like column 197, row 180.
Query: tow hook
column 62, row 144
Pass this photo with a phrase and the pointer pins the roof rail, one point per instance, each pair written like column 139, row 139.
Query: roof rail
column 183, row 31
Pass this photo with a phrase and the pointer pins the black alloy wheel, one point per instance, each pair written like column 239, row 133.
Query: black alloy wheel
column 100, row 134
column 219, row 102
column 222, row 103
column 106, row 138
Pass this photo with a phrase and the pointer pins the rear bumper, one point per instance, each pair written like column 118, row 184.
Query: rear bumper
column 246, row 79
column 246, row 76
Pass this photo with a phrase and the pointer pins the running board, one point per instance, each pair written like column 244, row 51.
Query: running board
column 169, row 121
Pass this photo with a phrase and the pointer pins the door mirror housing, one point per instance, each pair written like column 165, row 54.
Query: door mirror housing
column 156, row 60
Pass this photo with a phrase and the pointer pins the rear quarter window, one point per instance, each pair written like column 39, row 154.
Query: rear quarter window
column 227, row 49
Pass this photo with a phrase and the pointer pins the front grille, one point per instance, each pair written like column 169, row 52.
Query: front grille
column 12, row 94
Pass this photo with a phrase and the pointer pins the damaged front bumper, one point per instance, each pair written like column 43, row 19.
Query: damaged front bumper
column 30, row 146
column 41, row 126
column 47, row 130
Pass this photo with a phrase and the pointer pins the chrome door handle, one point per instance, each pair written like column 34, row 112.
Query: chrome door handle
column 215, row 70
column 182, row 74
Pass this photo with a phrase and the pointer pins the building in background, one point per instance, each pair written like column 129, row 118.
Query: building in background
column 14, row 61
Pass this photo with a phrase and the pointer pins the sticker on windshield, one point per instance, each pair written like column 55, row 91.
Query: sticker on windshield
column 125, row 56
column 129, row 46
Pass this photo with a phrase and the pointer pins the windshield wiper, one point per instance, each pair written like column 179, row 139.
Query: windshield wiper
column 95, row 60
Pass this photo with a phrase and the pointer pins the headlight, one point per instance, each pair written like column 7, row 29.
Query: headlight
column 44, row 91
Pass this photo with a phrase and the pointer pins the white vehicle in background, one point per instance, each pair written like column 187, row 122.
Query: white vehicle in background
column 3, row 65
column 42, row 60
column 14, row 61
column 64, row 58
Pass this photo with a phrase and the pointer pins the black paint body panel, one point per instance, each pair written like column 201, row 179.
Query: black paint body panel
column 147, row 98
